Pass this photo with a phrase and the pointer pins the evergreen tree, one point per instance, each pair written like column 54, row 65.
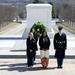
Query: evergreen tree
column 36, row 1
column 53, row 10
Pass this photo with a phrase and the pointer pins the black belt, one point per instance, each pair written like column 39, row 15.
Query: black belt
column 60, row 42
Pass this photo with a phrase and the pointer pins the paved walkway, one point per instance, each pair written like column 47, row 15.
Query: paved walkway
column 12, row 33
column 13, row 58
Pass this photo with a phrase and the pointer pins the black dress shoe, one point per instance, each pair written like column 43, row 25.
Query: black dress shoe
column 61, row 67
column 58, row 67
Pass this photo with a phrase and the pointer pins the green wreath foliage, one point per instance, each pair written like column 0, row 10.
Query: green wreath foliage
column 39, row 27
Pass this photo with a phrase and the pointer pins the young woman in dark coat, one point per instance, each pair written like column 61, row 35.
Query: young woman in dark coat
column 44, row 43
column 30, row 49
column 36, row 39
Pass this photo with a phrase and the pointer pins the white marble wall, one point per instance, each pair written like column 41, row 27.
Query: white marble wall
column 39, row 12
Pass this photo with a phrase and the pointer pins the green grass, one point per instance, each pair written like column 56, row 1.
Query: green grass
column 66, row 28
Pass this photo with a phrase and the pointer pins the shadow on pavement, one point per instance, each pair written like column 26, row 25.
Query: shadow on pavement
column 41, row 68
column 22, row 67
column 17, row 50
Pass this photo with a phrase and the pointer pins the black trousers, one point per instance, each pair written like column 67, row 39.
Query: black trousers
column 59, row 62
column 30, row 60
column 34, row 56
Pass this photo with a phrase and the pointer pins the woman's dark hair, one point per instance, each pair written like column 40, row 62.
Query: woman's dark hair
column 45, row 32
column 32, row 29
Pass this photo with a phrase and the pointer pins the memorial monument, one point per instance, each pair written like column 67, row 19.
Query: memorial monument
column 38, row 13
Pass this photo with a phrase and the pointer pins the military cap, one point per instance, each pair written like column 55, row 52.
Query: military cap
column 60, row 28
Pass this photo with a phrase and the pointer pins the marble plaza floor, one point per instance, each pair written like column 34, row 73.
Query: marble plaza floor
column 19, row 67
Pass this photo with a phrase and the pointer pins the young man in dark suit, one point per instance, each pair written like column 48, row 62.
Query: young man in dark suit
column 60, row 44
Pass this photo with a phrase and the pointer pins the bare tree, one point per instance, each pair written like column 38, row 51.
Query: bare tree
column 7, row 14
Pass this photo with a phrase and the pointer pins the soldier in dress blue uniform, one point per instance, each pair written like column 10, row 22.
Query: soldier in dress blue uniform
column 60, row 44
